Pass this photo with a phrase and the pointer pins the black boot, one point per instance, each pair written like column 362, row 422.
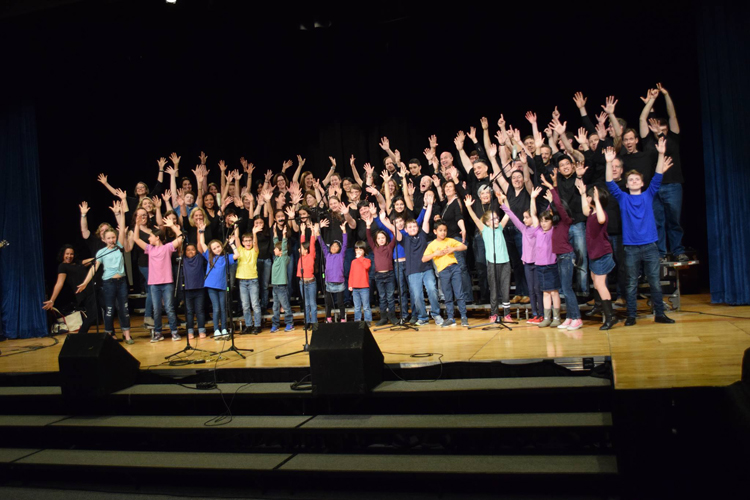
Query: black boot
column 610, row 319
column 597, row 309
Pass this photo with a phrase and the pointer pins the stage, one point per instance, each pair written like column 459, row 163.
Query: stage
column 703, row 348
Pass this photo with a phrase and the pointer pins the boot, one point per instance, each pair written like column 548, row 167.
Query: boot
column 610, row 319
column 547, row 319
column 597, row 309
column 392, row 317
column 555, row 318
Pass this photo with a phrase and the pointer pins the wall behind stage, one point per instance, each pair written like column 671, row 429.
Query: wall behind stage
column 119, row 84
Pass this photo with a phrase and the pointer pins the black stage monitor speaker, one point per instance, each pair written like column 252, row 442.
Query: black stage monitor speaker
column 344, row 359
column 95, row 365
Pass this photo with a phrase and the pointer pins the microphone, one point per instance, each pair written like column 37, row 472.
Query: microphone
column 514, row 154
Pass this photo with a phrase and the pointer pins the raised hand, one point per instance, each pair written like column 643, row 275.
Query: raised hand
column 545, row 182
column 582, row 136
column 369, row 169
column 167, row 195
column 501, row 122
column 333, row 162
column 667, row 164
column 385, row 144
column 433, row 141
column 453, row 173
column 102, row 178
column 485, row 123
column 120, row 194
column 203, row 158
column 555, row 114
column 167, row 221
column 531, row 117
column 548, row 132
column 373, row 210
column 386, row 176
column 157, row 201
column 472, row 134
column 492, row 150
column 661, row 146
column 300, row 161
column 286, row 165
column 548, row 196
column 325, row 223
column 402, row 171
column 428, row 154
column 579, row 100
column 180, row 197
column 343, row 208
column 351, row 162
column 289, row 211
column 601, row 130
column 654, row 126
column 243, row 162
column 116, row 208
column 558, row 127
column 372, row 190
column 581, row 187
column 502, row 198
column 175, row 159
column 662, row 89
column 501, row 137
column 249, row 169
column 222, row 166
column 397, row 154
column 537, row 190
column 468, row 200
column 609, row 154
column 411, row 189
column 268, row 176
column 459, row 140
column 172, row 171
column 84, row 208
column 609, row 106
column 161, row 162
column 601, row 117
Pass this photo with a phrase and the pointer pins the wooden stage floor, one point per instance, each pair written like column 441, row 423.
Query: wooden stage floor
column 698, row 350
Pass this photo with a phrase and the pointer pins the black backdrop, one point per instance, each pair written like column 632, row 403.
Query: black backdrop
column 118, row 84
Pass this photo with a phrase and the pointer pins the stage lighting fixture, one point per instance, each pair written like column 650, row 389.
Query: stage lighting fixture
column 172, row 1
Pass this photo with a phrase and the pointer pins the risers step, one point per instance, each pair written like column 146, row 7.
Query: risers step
column 327, row 463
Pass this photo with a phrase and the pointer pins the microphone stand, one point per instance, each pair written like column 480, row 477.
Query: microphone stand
column 402, row 325
column 228, row 302
column 180, row 268
column 306, row 345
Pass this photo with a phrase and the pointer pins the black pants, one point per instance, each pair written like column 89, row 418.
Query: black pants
column 88, row 302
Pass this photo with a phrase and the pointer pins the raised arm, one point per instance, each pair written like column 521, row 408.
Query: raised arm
column 674, row 125
column 84, row 207
column 469, row 201
column 427, row 214
column 103, row 179
column 137, row 236
column 585, row 208
column 532, row 206
column 177, row 241
column 609, row 157
column 609, row 108
column 385, row 145
column 459, row 142
column 355, row 173
column 201, row 237
column 649, row 101
column 486, row 133
column 601, row 216
column 300, row 164
column 331, row 171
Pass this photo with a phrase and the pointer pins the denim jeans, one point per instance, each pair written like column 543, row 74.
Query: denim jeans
column 164, row 291
column 219, row 306
column 309, row 292
column 619, row 274
column 667, row 210
column 195, row 305
column 466, row 287
column 250, row 297
column 264, row 277
column 535, row 291
column 386, row 289
column 514, row 242
column 149, row 299
column 450, row 278
column 648, row 255
column 424, row 279
column 403, row 287
column 480, row 266
column 361, row 298
column 577, row 238
column 116, row 294
column 281, row 299
column 566, row 266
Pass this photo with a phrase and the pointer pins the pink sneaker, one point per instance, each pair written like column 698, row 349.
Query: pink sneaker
column 534, row 320
column 575, row 324
column 565, row 324
column 493, row 318
column 329, row 320
column 343, row 320
column 508, row 318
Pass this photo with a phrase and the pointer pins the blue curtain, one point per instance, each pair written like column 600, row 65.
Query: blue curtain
column 21, row 268
column 724, row 63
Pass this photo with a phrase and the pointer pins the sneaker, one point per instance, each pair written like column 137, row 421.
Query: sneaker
column 290, row 328
column 255, row 330
column 565, row 324
column 464, row 321
column 508, row 318
column 575, row 324
column 682, row 258
column 663, row 260
column 448, row 322
column 217, row 335
column 176, row 337
column 534, row 320
column 157, row 338
column 129, row 341
column 493, row 318
column 438, row 320
column 343, row 320
column 224, row 333
column 422, row 322
column 414, row 320
column 274, row 329
column 329, row 320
